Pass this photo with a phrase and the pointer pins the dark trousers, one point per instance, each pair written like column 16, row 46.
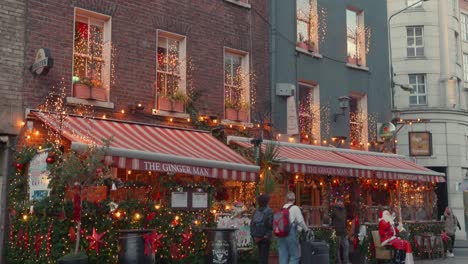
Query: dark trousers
column 452, row 242
column 263, row 251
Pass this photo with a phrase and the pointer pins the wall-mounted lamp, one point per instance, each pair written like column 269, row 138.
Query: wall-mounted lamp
column 344, row 104
column 140, row 106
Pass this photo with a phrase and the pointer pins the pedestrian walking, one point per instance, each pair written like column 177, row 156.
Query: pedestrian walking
column 288, row 246
column 451, row 224
column 339, row 224
column 261, row 227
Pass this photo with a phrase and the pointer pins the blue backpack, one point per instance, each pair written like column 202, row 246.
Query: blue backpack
column 257, row 224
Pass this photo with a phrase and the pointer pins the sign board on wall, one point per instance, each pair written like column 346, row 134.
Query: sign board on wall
column 38, row 177
column 43, row 62
column 420, row 143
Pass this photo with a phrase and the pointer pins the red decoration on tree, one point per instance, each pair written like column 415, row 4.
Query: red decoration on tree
column 38, row 243
column 50, row 160
column 95, row 240
column 49, row 240
column 72, row 234
column 26, row 239
column 19, row 243
column 175, row 252
column 19, row 166
column 152, row 242
column 186, row 237
column 61, row 216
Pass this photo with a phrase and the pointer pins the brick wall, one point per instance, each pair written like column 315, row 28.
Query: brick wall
column 12, row 27
column 209, row 25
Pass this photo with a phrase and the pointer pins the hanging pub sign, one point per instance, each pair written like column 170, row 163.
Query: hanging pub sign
column 387, row 130
column 42, row 63
column 38, row 177
column 420, row 143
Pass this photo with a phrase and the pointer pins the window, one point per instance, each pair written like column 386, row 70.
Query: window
column 356, row 37
column 307, row 25
column 410, row 2
column 309, row 113
column 171, row 72
column 464, row 26
column 358, row 132
column 414, row 39
column 465, row 67
column 236, row 85
column 418, row 95
column 91, row 55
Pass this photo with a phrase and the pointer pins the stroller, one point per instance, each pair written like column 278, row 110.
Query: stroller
column 313, row 251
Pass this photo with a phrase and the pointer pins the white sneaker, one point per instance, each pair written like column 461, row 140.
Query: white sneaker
column 450, row 255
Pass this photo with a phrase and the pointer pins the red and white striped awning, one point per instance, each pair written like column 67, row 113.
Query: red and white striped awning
column 307, row 159
column 139, row 146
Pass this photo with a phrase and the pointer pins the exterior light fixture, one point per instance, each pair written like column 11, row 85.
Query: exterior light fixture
column 344, row 104
column 140, row 106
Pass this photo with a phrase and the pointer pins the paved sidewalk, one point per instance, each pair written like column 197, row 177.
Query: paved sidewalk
column 461, row 255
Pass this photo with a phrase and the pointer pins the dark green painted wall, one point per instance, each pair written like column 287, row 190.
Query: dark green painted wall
column 330, row 72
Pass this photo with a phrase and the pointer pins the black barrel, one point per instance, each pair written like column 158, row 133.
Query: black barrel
column 132, row 247
column 315, row 252
column 221, row 246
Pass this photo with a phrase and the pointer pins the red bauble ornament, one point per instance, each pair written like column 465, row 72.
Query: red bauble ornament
column 50, row 160
column 19, row 166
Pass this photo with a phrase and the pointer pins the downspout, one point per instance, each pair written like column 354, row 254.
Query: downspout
column 251, row 69
column 6, row 143
column 272, row 60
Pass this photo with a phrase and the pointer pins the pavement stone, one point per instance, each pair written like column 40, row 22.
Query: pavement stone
column 461, row 257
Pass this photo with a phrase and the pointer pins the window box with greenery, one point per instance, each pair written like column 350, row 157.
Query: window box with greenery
column 86, row 88
column 237, row 111
column 173, row 103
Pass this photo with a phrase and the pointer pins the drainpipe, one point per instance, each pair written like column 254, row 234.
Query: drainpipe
column 6, row 144
column 272, row 59
column 444, row 55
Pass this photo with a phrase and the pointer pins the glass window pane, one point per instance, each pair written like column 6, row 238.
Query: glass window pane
column 421, row 89
column 422, row 99
column 420, row 51
column 410, row 52
column 161, row 84
column 418, row 31
column 302, row 31
column 419, row 41
column 227, row 69
column 409, row 31
column 413, row 99
column 410, row 41
column 412, row 79
column 96, row 41
column 162, row 59
column 81, row 38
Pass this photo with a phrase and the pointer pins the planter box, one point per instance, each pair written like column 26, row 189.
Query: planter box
column 243, row 116
column 98, row 93
column 81, row 91
column 167, row 104
column 137, row 193
column 231, row 114
column 302, row 45
column 132, row 247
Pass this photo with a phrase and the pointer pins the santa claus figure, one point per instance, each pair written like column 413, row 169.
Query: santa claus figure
column 388, row 237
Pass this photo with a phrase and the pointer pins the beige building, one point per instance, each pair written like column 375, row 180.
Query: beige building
column 429, row 46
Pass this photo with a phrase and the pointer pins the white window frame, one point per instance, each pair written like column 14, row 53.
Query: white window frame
column 465, row 67
column 415, row 47
column 310, row 18
column 104, row 21
column 415, row 93
column 182, row 60
column 410, row 2
column 245, row 71
column 356, row 36
column 464, row 26
column 315, row 105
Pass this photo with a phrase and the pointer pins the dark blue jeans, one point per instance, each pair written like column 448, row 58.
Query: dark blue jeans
column 263, row 251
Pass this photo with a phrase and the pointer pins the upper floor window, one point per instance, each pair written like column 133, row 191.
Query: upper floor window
column 414, row 39
column 464, row 26
column 236, row 85
column 358, row 122
column 171, row 72
column 418, row 94
column 309, row 113
column 307, row 25
column 355, row 37
column 410, row 2
column 91, row 55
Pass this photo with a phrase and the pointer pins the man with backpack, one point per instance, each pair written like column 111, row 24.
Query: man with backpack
column 261, row 227
column 286, row 225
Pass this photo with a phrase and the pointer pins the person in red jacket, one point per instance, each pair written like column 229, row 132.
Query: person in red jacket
column 388, row 237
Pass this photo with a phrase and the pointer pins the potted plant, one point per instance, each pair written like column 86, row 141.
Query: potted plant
column 90, row 89
column 78, row 171
column 230, row 110
column 173, row 103
column 302, row 43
